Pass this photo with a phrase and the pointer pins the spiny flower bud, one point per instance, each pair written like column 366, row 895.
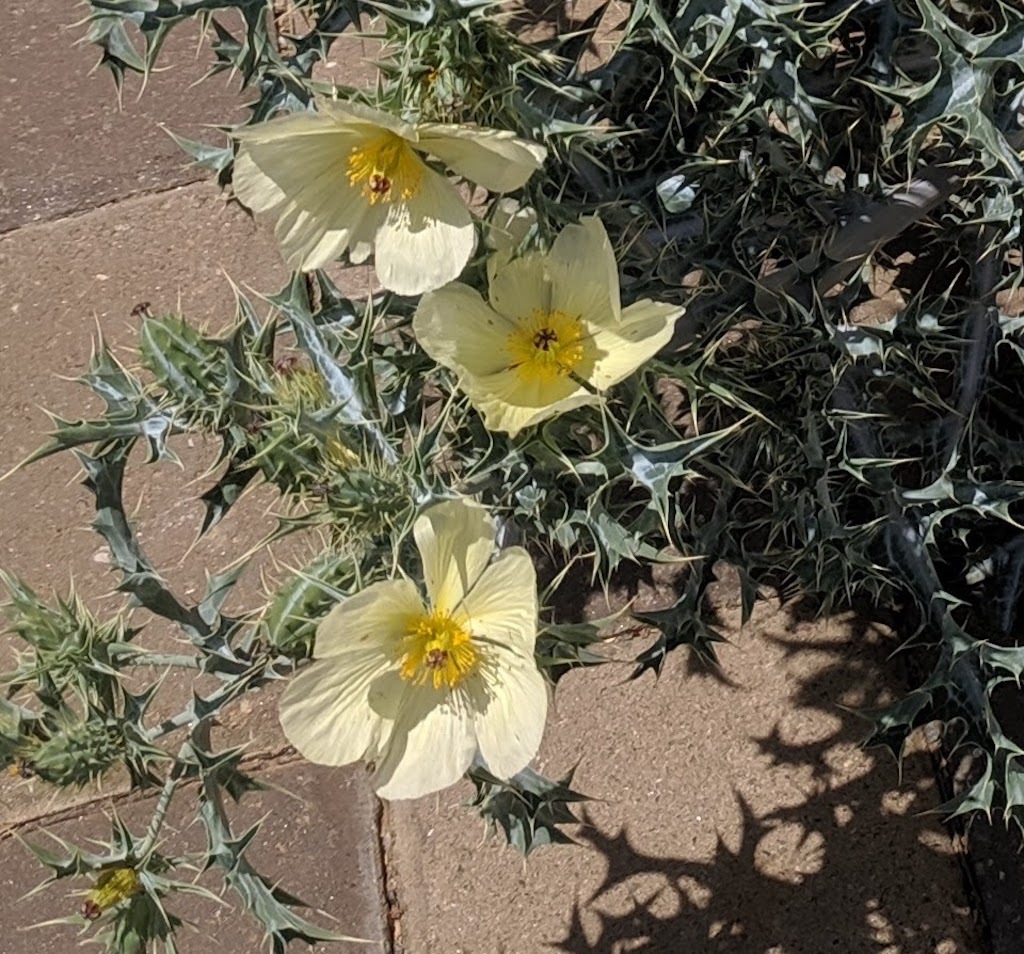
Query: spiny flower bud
column 296, row 385
column 339, row 456
column 77, row 754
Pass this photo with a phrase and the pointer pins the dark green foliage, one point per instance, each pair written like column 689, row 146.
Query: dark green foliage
column 304, row 599
column 130, row 916
column 131, row 33
column 565, row 646
column 783, row 158
column 529, row 808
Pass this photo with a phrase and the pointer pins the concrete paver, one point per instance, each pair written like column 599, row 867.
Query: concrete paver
column 59, row 282
column 67, row 146
column 733, row 814
column 312, row 842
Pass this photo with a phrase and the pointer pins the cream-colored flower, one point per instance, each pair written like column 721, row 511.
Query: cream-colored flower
column 350, row 177
column 422, row 688
column 553, row 335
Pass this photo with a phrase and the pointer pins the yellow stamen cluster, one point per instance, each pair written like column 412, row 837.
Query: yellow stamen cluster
column 112, row 887
column 546, row 345
column 386, row 167
column 438, row 649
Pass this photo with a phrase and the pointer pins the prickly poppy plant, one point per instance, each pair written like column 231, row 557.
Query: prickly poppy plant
column 706, row 208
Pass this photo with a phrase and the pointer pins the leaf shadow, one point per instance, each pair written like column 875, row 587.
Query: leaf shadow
column 851, row 866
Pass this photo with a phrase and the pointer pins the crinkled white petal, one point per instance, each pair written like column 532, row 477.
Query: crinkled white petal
column 502, row 605
column 303, row 182
column 308, row 240
column 584, row 272
column 456, row 540
column 509, row 403
column 432, row 744
column 496, row 159
column 510, row 702
column 325, row 711
column 361, row 248
column 425, row 241
column 255, row 190
column 345, row 112
column 621, row 349
column 509, row 224
column 456, row 328
column 376, row 616
column 288, row 127
column 521, row 287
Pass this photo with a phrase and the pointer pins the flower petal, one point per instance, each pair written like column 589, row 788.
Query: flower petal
column 431, row 746
column 585, row 273
column 521, row 287
column 455, row 539
column 510, row 703
column 510, row 223
column 376, row 616
column 496, row 159
column 425, row 241
column 456, row 328
column 359, row 114
column 620, row 349
column 502, row 606
column 253, row 188
column 509, row 403
column 287, row 127
column 302, row 180
column 325, row 711
column 309, row 240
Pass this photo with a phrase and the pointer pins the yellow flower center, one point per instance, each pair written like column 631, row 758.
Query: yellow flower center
column 386, row 167
column 547, row 345
column 437, row 649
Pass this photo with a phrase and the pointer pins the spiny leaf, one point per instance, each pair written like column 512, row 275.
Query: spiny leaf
column 529, row 808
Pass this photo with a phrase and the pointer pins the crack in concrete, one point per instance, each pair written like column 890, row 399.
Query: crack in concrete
column 390, row 902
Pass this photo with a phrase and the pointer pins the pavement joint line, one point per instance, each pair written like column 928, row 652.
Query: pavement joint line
column 393, row 910
column 72, row 812
column 282, row 757
column 84, row 211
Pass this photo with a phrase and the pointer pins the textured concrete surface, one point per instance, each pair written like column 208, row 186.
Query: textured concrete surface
column 312, row 840
column 61, row 282
column 732, row 813
column 69, row 150
column 67, row 146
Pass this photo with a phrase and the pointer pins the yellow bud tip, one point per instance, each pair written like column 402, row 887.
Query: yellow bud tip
column 111, row 888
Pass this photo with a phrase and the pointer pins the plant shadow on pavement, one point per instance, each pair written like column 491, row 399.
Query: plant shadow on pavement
column 827, row 874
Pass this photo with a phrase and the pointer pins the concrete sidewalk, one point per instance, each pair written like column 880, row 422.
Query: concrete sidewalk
column 732, row 813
